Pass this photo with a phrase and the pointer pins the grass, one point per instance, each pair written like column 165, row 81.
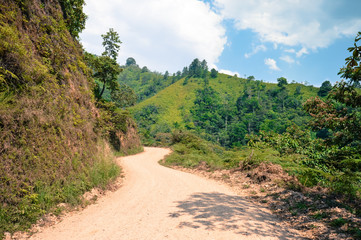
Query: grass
column 132, row 151
column 45, row 197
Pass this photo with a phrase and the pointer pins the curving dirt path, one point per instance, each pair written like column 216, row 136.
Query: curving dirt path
column 161, row 203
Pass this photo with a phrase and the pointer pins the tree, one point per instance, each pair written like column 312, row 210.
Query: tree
column 324, row 89
column 106, row 70
column 74, row 16
column 185, row 71
column 166, row 75
column 251, row 78
column 105, row 67
column 131, row 62
column 298, row 91
column 111, row 43
column 145, row 69
column 282, row 82
column 341, row 113
column 124, row 96
column 204, row 68
column 214, row 73
column 195, row 69
column 205, row 111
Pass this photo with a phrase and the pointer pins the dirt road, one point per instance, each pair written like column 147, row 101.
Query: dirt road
column 160, row 203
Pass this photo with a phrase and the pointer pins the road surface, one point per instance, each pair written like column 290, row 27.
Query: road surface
column 156, row 202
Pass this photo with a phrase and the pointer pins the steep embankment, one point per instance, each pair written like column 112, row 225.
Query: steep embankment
column 49, row 124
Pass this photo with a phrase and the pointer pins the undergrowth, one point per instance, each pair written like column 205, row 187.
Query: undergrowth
column 190, row 151
column 44, row 197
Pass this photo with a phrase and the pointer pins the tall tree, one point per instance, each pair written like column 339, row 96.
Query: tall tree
column 111, row 43
column 195, row 69
column 105, row 67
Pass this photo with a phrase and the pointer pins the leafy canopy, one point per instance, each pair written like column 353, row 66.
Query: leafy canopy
column 74, row 16
column 111, row 43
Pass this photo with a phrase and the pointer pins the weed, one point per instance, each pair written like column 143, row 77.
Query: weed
column 339, row 222
column 321, row 215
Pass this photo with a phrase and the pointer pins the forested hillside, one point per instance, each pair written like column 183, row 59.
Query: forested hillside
column 53, row 130
column 223, row 108
column 143, row 81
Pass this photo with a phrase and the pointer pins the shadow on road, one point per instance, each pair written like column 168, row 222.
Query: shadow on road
column 217, row 211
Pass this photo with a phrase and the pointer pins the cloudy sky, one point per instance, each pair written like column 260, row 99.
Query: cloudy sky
column 302, row 40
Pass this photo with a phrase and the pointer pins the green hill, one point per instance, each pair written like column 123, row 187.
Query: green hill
column 172, row 107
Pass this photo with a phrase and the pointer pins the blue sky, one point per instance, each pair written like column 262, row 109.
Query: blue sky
column 305, row 41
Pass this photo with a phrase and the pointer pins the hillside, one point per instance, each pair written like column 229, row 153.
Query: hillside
column 53, row 134
column 144, row 82
column 172, row 107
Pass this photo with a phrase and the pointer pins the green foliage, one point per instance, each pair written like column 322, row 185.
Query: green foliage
column 147, row 120
column 106, row 70
column 340, row 115
column 324, row 89
column 227, row 121
column 111, row 43
column 144, row 82
column 198, row 69
column 206, row 110
column 214, row 73
column 131, row 62
column 282, row 82
column 191, row 151
column 124, row 96
column 74, row 16
column 225, row 109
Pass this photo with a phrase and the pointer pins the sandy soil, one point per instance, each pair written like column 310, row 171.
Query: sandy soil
column 156, row 202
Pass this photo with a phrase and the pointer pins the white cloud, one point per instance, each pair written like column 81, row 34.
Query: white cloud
column 256, row 50
column 228, row 72
column 287, row 59
column 162, row 34
column 301, row 52
column 272, row 64
column 310, row 24
column 291, row 50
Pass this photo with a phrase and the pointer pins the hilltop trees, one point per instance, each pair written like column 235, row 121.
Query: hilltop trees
column 282, row 82
column 197, row 69
column 324, row 89
column 214, row 73
column 130, row 62
column 225, row 119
